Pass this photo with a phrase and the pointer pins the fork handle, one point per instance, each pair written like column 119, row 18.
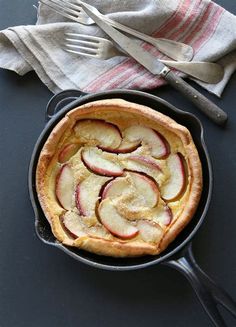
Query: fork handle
column 210, row 109
column 173, row 49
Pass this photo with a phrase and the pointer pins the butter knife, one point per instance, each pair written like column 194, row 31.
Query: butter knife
column 156, row 67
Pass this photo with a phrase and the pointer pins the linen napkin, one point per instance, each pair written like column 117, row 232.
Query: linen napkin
column 204, row 25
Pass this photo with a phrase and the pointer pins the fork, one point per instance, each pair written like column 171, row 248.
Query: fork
column 173, row 49
column 100, row 48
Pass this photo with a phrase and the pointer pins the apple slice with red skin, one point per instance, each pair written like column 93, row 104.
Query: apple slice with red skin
column 72, row 224
column 96, row 162
column 67, row 152
column 150, row 231
column 65, row 187
column 115, row 188
column 87, row 194
column 146, row 161
column 106, row 135
column 115, row 223
column 127, row 147
column 146, row 187
column 178, row 178
column 163, row 215
column 158, row 145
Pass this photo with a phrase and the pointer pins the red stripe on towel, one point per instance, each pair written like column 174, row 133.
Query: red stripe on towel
column 176, row 19
column 210, row 29
column 192, row 16
column 199, row 27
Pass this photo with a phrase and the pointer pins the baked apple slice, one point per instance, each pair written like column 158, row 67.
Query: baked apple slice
column 72, row 224
column 178, row 178
column 163, row 215
column 150, row 231
column 127, row 147
column 105, row 135
column 87, row 194
column 115, row 223
column 146, row 188
column 65, row 187
column 93, row 158
column 142, row 164
column 159, row 147
column 146, row 161
column 115, row 188
column 67, row 152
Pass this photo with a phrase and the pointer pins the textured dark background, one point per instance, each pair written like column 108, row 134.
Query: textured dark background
column 41, row 286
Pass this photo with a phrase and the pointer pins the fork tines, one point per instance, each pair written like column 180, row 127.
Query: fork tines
column 66, row 9
column 85, row 45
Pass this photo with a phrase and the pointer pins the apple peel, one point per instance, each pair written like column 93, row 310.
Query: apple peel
column 115, row 223
column 65, row 187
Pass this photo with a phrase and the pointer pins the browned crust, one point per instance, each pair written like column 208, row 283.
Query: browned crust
column 115, row 248
column 108, row 247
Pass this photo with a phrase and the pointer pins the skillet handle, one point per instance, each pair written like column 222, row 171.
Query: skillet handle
column 209, row 294
column 60, row 100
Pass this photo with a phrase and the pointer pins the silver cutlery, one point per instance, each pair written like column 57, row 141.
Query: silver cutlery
column 156, row 67
column 173, row 49
column 100, row 48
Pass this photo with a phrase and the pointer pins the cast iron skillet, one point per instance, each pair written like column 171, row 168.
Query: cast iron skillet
column 179, row 253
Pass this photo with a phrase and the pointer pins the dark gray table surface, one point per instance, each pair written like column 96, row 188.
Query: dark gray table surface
column 41, row 286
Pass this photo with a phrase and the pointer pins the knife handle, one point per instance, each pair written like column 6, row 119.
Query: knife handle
column 205, row 105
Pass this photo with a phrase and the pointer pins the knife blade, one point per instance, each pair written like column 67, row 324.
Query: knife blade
column 152, row 64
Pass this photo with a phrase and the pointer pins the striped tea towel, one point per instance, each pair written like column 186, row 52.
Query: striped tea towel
column 207, row 27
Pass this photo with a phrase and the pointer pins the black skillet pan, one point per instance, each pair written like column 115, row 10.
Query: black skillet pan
column 179, row 253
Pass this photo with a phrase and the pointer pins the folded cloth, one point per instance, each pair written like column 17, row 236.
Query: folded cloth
column 207, row 27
